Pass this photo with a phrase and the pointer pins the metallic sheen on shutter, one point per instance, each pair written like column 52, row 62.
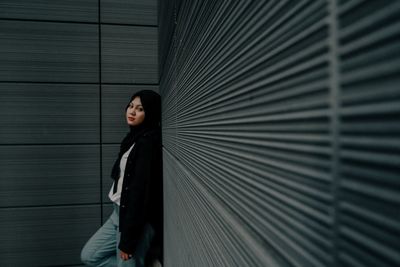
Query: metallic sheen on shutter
column 280, row 132
column 369, row 212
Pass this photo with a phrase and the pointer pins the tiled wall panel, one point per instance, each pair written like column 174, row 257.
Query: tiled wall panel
column 58, row 118
column 66, row 10
column 129, row 54
column 33, row 51
column 138, row 12
column 45, row 236
column 49, row 175
column 49, row 113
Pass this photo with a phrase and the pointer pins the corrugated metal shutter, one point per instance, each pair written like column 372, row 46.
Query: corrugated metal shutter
column 369, row 183
column 278, row 150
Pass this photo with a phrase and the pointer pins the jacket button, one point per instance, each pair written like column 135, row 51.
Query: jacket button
column 123, row 206
column 126, row 188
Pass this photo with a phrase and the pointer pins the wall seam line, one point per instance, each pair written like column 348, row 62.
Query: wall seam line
column 100, row 116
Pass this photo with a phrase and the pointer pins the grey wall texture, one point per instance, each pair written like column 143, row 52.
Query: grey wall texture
column 281, row 132
column 67, row 70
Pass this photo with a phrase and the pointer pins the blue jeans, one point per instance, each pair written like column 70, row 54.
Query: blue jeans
column 101, row 250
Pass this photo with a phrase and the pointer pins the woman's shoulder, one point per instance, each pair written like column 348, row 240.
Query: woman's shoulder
column 150, row 136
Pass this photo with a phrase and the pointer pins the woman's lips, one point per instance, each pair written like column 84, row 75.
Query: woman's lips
column 131, row 119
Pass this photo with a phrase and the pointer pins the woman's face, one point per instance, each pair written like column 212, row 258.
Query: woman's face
column 135, row 112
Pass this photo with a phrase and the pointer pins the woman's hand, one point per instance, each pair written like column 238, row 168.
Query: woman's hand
column 125, row 256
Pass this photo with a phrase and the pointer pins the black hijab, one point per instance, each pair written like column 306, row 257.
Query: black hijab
column 151, row 102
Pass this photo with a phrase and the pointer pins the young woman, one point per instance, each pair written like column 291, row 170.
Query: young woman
column 135, row 226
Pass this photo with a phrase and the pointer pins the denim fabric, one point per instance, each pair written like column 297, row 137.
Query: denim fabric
column 101, row 250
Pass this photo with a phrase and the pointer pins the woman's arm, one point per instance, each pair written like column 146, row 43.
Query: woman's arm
column 135, row 194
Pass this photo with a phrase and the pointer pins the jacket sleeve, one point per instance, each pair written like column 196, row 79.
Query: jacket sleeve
column 136, row 193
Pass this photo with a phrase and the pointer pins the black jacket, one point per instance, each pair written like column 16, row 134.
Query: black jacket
column 142, row 193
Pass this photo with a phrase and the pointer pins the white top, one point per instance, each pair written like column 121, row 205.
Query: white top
column 122, row 164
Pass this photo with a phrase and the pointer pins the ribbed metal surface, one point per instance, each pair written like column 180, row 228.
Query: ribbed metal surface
column 370, row 129
column 166, row 17
column 258, row 149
